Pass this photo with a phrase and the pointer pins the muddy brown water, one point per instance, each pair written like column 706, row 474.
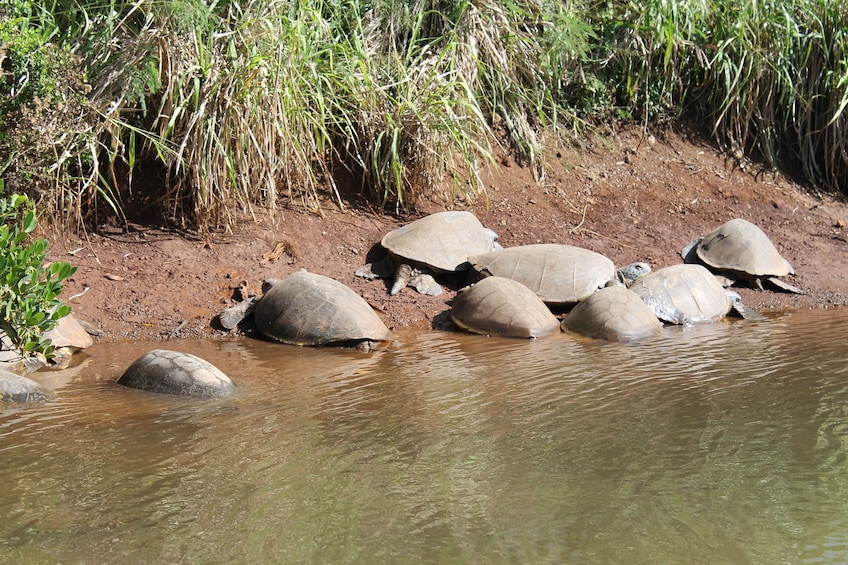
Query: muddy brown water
column 724, row 443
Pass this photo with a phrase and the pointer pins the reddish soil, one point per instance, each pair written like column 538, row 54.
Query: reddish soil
column 630, row 197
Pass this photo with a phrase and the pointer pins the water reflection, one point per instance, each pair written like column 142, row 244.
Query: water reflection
column 721, row 443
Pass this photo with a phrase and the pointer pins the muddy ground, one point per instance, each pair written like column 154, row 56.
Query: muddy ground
column 631, row 197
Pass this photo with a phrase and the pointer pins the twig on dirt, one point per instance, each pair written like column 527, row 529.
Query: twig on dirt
column 175, row 332
column 85, row 289
column 576, row 228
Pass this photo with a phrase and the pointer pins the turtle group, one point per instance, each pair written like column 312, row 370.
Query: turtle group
column 595, row 298
column 527, row 291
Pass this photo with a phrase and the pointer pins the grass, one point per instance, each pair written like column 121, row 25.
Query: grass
column 192, row 110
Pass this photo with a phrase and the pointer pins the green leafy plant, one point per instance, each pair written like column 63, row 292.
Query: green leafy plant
column 28, row 291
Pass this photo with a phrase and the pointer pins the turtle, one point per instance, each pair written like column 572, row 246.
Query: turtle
column 67, row 337
column 688, row 294
column 15, row 388
column 614, row 313
column 310, row 309
column 174, row 372
column 559, row 274
column 435, row 244
column 741, row 251
column 502, row 307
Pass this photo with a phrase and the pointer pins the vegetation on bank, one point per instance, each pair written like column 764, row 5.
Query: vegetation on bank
column 29, row 304
column 192, row 109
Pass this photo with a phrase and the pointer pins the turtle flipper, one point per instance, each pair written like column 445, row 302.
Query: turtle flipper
column 779, row 284
column 403, row 274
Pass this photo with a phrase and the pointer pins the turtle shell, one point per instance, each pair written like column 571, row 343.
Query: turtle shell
column 310, row 309
column 15, row 388
column 441, row 241
column 615, row 313
column 502, row 307
column 684, row 294
column 558, row 274
column 173, row 372
column 740, row 246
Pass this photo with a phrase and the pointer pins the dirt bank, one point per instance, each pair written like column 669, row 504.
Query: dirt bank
column 631, row 198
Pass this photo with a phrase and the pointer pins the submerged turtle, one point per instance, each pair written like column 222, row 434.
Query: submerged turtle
column 559, row 274
column 502, row 307
column 173, row 372
column 311, row 309
column 15, row 388
column 740, row 250
column 615, row 313
column 438, row 243
column 688, row 294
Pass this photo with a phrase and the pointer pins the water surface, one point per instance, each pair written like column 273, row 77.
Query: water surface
column 723, row 443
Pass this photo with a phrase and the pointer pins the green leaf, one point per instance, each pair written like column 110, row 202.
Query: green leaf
column 30, row 221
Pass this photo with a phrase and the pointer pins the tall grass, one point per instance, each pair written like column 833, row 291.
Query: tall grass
column 195, row 110
column 779, row 83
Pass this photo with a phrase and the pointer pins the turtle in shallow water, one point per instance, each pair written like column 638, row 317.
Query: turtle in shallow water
column 559, row 274
column 614, row 313
column 173, row 372
column 438, row 243
column 688, row 294
column 311, row 309
column 741, row 251
column 502, row 307
column 15, row 388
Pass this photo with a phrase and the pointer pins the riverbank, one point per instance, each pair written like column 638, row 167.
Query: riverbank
column 632, row 197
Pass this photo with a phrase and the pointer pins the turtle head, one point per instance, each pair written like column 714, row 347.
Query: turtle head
column 629, row 274
column 493, row 236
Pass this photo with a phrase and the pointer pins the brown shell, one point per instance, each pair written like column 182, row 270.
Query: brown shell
column 502, row 307
column 558, row 274
column 614, row 313
column 311, row 309
column 441, row 241
column 688, row 290
column 740, row 246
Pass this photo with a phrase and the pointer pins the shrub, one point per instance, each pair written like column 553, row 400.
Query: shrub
column 28, row 291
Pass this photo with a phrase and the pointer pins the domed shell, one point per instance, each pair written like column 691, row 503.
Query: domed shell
column 310, row 309
column 173, row 372
column 684, row 294
column 739, row 245
column 15, row 388
column 442, row 241
column 615, row 313
column 502, row 307
column 558, row 274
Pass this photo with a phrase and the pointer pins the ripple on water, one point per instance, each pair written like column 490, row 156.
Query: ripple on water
column 722, row 442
